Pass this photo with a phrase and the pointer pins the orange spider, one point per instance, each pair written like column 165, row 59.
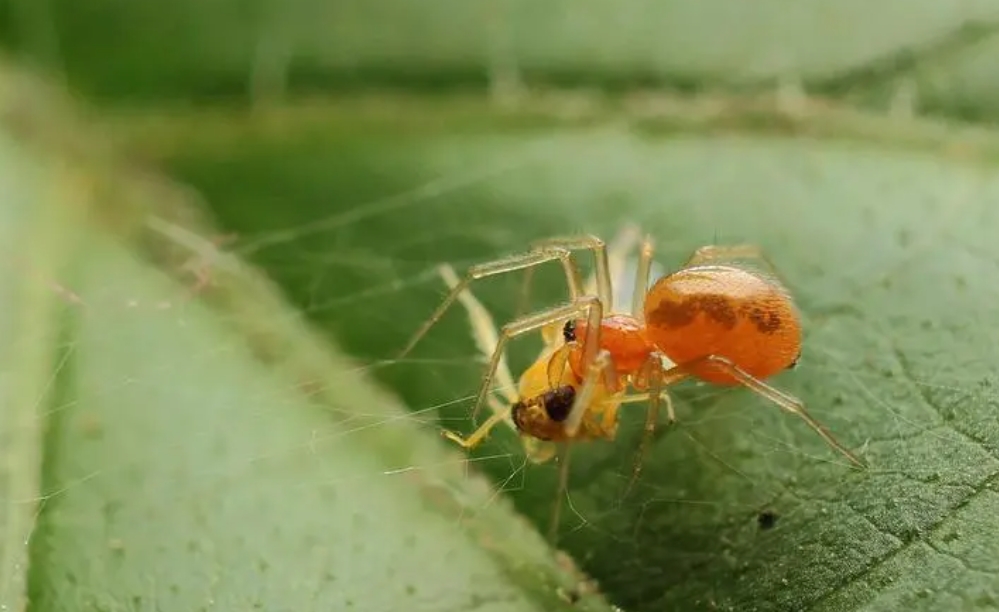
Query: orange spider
column 722, row 318
column 548, row 394
column 548, row 388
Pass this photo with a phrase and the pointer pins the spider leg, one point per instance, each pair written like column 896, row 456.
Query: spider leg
column 783, row 400
column 564, row 452
column 524, row 298
column 617, row 253
column 585, row 305
column 487, row 337
column 484, row 332
column 580, row 406
column 642, row 272
column 652, row 376
column 617, row 260
column 598, row 248
column 618, row 250
column 600, row 371
column 482, row 432
column 494, row 268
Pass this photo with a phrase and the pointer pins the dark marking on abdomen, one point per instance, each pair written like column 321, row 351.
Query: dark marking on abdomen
column 678, row 314
column 767, row 321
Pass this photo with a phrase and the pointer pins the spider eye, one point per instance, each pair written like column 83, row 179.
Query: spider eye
column 558, row 403
column 569, row 331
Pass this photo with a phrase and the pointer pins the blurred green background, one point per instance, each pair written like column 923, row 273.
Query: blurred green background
column 206, row 450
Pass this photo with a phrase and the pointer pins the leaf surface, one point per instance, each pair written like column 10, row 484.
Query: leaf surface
column 884, row 234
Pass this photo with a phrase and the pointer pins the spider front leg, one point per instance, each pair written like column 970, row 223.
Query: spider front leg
column 783, row 400
column 486, row 338
column 599, row 373
column 595, row 245
column 538, row 451
column 588, row 305
column 602, row 264
column 494, row 268
column 483, row 330
column 482, row 432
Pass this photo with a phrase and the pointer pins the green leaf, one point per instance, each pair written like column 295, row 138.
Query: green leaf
column 884, row 230
column 170, row 450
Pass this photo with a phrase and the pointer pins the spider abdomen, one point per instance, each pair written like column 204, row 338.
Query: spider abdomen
column 724, row 311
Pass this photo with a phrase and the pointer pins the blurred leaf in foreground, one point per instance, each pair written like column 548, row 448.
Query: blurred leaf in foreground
column 267, row 49
column 886, row 236
column 208, row 454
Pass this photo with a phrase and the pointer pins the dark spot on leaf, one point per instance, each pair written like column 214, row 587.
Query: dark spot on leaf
column 987, row 601
column 767, row 519
column 909, row 535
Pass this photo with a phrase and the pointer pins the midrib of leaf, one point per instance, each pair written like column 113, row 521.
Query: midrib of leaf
column 39, row 242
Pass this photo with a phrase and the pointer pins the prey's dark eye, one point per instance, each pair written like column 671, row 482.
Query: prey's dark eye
column 569, row 331
column 794, row 363
column 558, row 403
